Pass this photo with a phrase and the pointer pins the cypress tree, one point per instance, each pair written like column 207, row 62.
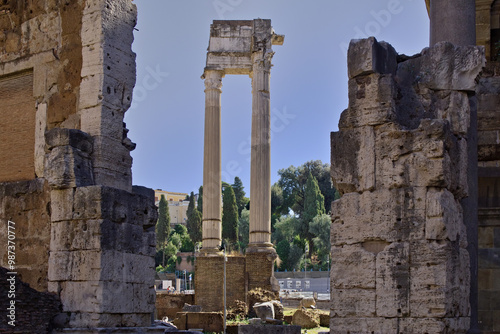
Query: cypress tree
column 193, row 220
column 191, row 205
column 314, row 205
column 229, row 216
column 239, row 193
column 163, row 224
column 200, row 199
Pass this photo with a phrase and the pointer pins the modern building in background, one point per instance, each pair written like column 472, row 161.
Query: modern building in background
column 177, row 205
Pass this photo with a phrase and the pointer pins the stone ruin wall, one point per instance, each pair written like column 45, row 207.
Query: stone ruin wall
column 83, row 232
column 400, row 159
column 488, row 127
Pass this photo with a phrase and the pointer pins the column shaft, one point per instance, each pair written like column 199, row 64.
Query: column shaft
column 260, row 169
column 212, row 195
column 453, row 21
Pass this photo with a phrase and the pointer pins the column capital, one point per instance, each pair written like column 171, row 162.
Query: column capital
column 213, row 79
column 261, row 60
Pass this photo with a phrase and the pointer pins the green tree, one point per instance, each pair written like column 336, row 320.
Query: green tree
column 243, row 228
column 163, row 225
column 191, row 205
column 283, row 250
column 229, row 217
column 320, row 228
column 293, row 181
column 193, row 220
column 200, row 199
column 185, row 244
column 276, row 204
column 194, row 225
column 239, row 194
column 286, row 228
column 294, row 257
column 313, row 206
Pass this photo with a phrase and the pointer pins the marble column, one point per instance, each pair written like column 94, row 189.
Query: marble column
column 260, row 169
column 212, row 194
column 453, row 21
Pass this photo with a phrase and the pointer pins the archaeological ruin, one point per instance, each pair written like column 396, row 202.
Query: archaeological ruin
column 415, row 237
column 87, row 235
column 237, row 47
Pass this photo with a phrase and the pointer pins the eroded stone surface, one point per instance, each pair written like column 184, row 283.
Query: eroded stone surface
column 400, row 159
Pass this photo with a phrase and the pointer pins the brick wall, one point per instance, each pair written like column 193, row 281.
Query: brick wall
column 27, row 204
column 236, row 283
column 33, row 310
column 259, row 269
column 17, row 129
column 209, row 282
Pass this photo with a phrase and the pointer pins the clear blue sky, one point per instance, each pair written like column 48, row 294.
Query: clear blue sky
column 308, row 81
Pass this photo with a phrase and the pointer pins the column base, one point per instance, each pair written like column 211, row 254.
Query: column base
column 210, row 252
column 260, row 267
column 209, row 281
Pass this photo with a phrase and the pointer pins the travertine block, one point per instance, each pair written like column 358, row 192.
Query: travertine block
column 363, row 325
column 367, row 56
column 444, row 216
column 354, row 172
column 353, row 302
column 371, row 101
column 393, row 281
column 61, row 204
column 446, row 66
column 401, row 162
column 352, row 267
column 78, row 297
column 76, row 235
column 67, row 167
column 84, row 265
column 378, row 215
column 144, row 297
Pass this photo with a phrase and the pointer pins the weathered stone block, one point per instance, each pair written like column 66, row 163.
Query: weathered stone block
column 353, row 302
column 439, row 277
column 388, row 215
column 67, row 167
column 80, row 297
column 444, row 216
column 353, row 156
column 363, row 325
column 393, row 281
column 371, row 101
column 69, row 137
column 367, row 56
column 61, row 204
column 76, row 235
column 352, row 267
column 446, row 66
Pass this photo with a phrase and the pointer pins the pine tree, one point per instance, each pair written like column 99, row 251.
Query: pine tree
column 163, row 224
column 229, row 216
column 200, row 199
column 239, row 193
